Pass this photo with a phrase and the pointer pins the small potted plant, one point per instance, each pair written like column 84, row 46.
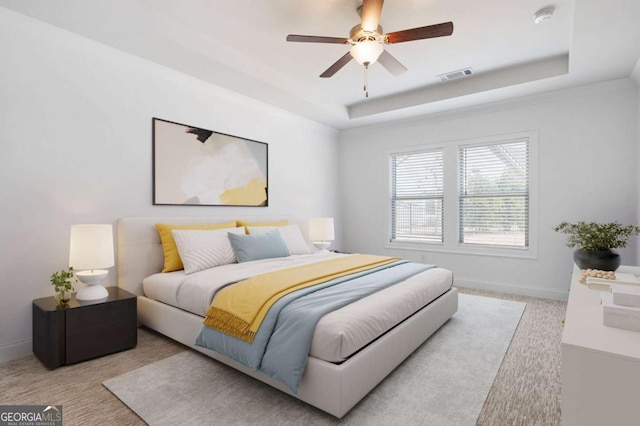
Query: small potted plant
column 596, row 241
column 63, row 281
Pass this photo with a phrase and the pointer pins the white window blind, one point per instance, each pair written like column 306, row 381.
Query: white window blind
column 416, row 196
column 494, row 194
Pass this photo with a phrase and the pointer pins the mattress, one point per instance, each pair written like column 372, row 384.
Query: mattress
column 339, row 334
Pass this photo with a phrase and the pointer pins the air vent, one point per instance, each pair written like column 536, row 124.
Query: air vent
column 453, row 75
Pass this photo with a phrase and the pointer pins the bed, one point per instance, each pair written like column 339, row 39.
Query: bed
column 335, row 378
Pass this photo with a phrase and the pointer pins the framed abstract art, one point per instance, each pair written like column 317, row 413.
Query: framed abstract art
column 200, row 167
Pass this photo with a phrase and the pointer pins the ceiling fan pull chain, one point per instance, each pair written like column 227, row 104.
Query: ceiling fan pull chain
column 366, row 91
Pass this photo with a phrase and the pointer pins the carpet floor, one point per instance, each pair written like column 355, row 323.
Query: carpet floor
column 526, row 390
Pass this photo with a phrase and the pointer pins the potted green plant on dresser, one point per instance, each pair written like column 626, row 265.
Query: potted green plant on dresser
column 63, row 281
column 596, row 241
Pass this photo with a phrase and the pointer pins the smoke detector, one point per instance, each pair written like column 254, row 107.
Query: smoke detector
column 453, row 75
column 543, row 15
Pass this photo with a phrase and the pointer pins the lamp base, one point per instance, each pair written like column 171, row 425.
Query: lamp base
column 92, row 292
column 322, row 245
column 92, row 279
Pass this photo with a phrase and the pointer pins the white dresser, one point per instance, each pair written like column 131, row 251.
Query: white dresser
column 600, row 365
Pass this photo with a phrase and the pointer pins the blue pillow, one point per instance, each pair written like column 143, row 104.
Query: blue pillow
column 258, row 246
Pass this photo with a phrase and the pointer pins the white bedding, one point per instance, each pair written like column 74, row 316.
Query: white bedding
column 194, row 292
column 340, row 333
column 343, row 332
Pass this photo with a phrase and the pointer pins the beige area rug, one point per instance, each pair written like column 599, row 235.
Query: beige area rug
column 444, row 382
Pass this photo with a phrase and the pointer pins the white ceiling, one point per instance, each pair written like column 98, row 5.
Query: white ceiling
column 241, row 45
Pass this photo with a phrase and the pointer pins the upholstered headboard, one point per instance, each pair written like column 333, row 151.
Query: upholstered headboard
column 139, row 248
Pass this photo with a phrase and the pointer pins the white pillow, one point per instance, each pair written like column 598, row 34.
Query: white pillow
column 203, row 249
column 290, row 234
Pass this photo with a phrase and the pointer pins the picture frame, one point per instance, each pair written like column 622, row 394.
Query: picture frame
column 194, row 166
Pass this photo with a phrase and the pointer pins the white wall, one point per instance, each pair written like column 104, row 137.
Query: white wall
column 75, row 130
column 588, row 149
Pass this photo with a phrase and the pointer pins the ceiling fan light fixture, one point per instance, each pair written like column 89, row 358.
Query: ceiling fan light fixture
column 366, row 52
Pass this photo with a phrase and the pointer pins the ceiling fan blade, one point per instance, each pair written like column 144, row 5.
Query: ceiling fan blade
column 371, row 10
column 430, row 31
column 391, row 64
column 316, row 39
column 337, row 66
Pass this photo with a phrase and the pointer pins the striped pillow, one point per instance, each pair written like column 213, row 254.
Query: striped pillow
column 201, row 249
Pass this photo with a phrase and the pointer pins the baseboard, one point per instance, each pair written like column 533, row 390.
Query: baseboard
column 511, row 289
column 15, row 351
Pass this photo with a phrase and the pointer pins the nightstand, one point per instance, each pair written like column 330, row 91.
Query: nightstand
column 84, row 329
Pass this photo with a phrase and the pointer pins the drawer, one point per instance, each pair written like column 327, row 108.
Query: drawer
column 100, row 330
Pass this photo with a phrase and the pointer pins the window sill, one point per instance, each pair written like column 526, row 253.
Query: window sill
column 465, row 250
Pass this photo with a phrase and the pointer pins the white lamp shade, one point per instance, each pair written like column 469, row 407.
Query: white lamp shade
column 321, row 229
column 91, row 247
column 366, row 52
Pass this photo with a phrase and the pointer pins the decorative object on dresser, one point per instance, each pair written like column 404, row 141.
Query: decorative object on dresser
column 596, row 241
column 626, row 295
column 62, row 281
column 619, row 316
column 621, row 307
column 81, row 330
column 601, row 280
column 91, row 248
column 596, row 273
column 194, row 166
column 321, row 232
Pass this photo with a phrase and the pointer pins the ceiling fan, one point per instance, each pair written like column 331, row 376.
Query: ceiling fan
column 367, row 39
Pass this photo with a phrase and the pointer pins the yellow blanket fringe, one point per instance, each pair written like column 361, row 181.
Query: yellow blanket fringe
column 239, row 309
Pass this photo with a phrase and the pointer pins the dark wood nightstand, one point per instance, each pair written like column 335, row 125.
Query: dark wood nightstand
column 83, row 329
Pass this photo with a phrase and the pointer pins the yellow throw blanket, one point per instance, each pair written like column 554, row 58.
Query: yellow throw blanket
column 238, row 310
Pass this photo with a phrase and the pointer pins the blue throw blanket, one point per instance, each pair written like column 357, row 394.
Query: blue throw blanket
column 281, row 346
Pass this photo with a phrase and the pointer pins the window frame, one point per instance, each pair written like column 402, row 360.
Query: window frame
column 460, row 148
column 391, row 192
column 451, row 205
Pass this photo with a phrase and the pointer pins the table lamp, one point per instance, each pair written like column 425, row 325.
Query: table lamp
column 91, row 248
column 321, row 232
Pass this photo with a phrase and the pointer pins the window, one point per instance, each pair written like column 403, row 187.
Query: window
column 474, row 196
column 416, row 196
column 494, row 194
